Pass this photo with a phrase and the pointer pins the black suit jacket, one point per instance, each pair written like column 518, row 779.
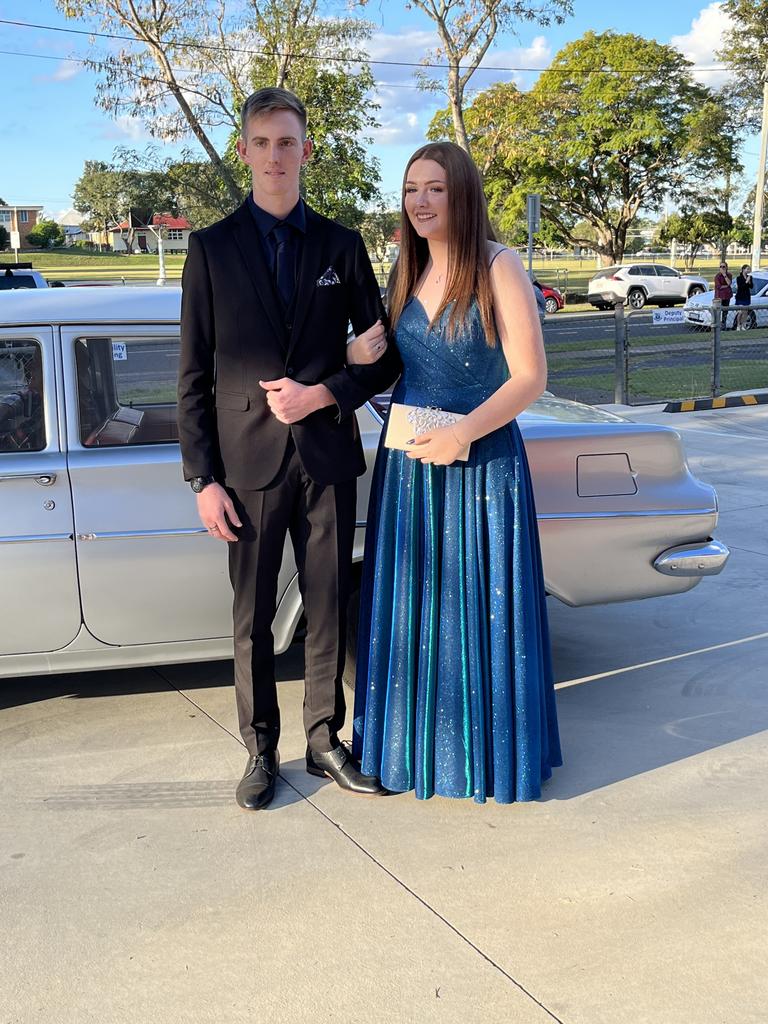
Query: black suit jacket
column 234, row 333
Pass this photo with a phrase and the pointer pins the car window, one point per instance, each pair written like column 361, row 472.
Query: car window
column 8, row 281
column 22, row 425
column 664, row 271
column 606, row 272
column 646, row 270
column 126, row 391
column 758, row 283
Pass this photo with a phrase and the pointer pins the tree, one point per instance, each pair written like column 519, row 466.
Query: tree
column 745, row 51
column 106, row 193
column 143, row 82
column 466, row 29
column 226, row 53
column 599, row 144
column 378, row 228
column 5, row 238
column 695, row 229
column 46, row 234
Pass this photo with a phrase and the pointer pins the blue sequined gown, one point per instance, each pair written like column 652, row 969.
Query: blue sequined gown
column 454, row 690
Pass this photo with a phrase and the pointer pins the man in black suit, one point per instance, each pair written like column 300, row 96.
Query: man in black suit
column 268, row 431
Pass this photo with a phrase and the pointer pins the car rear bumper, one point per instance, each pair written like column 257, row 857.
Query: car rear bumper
column 604, row 298
column 705, row 559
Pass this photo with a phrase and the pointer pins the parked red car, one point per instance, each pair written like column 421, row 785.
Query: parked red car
column 553, row 299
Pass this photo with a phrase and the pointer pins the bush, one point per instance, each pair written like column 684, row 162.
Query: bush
column 5, row 238
column 46, row 234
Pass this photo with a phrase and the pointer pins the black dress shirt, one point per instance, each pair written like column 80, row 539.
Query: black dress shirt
column 265, row 222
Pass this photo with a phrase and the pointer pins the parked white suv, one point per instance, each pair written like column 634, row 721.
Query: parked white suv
column 639, row 283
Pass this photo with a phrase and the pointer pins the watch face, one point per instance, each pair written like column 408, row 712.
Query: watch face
column 200, row 482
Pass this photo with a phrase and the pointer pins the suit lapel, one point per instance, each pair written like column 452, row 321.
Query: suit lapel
column 251, row 249
column 311, row 268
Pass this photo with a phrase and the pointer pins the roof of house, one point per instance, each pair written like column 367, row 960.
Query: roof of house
column 20, row 206
column 159, row 220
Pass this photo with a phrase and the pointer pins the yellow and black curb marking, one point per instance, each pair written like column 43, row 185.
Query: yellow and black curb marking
column 731, row 402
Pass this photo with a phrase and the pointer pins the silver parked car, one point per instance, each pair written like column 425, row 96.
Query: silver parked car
column 641, row 283
column 103, row 561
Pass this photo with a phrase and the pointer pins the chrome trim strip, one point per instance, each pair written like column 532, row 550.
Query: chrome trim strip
column 138, row 534
column 30, row 538
column 628, row 515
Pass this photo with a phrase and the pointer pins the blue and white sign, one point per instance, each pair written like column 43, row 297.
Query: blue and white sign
column 119, row 351
column 668, row 316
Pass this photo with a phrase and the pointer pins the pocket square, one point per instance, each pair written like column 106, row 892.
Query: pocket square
column 329, row 277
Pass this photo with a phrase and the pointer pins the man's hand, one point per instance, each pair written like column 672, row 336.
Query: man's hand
column 368, row 347
column 216, row 511
column 291, row 401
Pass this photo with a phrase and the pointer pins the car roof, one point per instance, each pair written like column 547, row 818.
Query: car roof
column 89, row 305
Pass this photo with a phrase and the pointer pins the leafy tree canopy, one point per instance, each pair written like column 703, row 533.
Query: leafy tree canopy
column 745, row 51
column 46, row 234
column 598, row 144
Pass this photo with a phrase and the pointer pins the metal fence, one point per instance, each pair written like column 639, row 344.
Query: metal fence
column 632, row 359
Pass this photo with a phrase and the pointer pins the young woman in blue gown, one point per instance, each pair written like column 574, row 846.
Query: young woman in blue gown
column 454, row 688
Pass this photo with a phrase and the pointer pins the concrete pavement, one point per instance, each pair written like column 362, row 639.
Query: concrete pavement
column 134, row 890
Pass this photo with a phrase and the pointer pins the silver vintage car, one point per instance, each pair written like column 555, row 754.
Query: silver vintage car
column 103, row 562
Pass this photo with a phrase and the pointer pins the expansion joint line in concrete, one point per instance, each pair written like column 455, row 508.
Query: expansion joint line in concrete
column 366, row 853
column 428, row 907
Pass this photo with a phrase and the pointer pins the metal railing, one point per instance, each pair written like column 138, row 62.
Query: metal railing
column 631, row 359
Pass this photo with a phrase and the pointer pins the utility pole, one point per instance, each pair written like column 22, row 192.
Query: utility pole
column 760, row 187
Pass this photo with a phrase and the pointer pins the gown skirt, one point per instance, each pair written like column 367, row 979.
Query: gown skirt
column 454, row 689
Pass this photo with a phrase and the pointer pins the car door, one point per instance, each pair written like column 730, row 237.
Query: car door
column 669, row 283
column 39, row 605
column 149, row 572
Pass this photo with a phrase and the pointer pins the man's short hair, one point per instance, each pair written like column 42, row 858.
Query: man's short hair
column 267, row 101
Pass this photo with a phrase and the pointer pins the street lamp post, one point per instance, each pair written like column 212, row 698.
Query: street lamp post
column 760, row 187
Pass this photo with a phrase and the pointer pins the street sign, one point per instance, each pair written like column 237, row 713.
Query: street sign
column 669, row 316
column 534, row 213
column 15, row 240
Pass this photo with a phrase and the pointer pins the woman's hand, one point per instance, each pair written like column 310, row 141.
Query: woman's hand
column 441, row 447
column 368, row 347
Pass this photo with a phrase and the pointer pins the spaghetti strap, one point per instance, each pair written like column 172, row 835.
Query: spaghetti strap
column 498, row 252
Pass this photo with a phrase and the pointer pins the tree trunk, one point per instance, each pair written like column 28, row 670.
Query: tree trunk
column 457, row 114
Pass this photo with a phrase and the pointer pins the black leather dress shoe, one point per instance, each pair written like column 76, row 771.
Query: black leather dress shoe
column 257, row 786
column 339, row 765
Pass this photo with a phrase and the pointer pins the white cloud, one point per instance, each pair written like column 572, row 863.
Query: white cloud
column 405, row 111
column 66, row 70
column 699, row 45
column 125, row 127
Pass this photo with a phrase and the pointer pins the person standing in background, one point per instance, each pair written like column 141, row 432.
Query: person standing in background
column 724, row 289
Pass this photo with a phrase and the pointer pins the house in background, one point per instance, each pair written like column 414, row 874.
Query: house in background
column 21, row 219
column 175, row 235
column 70, row 221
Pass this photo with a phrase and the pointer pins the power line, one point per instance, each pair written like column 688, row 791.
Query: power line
column 347, row 60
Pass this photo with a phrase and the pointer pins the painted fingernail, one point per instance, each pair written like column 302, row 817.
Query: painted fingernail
column 412, row 441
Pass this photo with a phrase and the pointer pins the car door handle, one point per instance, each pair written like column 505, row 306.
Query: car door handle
column 44, row 479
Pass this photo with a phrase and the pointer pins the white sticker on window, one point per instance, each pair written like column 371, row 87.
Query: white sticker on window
column 119, row 350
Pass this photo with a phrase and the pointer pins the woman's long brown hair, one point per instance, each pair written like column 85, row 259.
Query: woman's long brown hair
column 469, row 230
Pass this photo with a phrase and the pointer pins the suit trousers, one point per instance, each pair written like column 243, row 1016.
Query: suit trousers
column 321, row 522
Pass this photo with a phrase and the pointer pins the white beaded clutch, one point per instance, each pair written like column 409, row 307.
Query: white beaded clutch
column 409, row 421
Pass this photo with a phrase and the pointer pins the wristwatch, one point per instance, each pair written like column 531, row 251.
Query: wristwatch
column 198, row 483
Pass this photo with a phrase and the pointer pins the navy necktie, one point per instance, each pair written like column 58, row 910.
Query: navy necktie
column 285, row 262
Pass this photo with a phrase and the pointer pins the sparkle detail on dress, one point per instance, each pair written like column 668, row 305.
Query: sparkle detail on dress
column 454, row 678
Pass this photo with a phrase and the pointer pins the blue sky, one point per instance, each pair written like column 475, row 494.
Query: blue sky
column 51, row 124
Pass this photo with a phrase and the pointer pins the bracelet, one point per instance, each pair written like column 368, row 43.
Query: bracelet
column 461, row 444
